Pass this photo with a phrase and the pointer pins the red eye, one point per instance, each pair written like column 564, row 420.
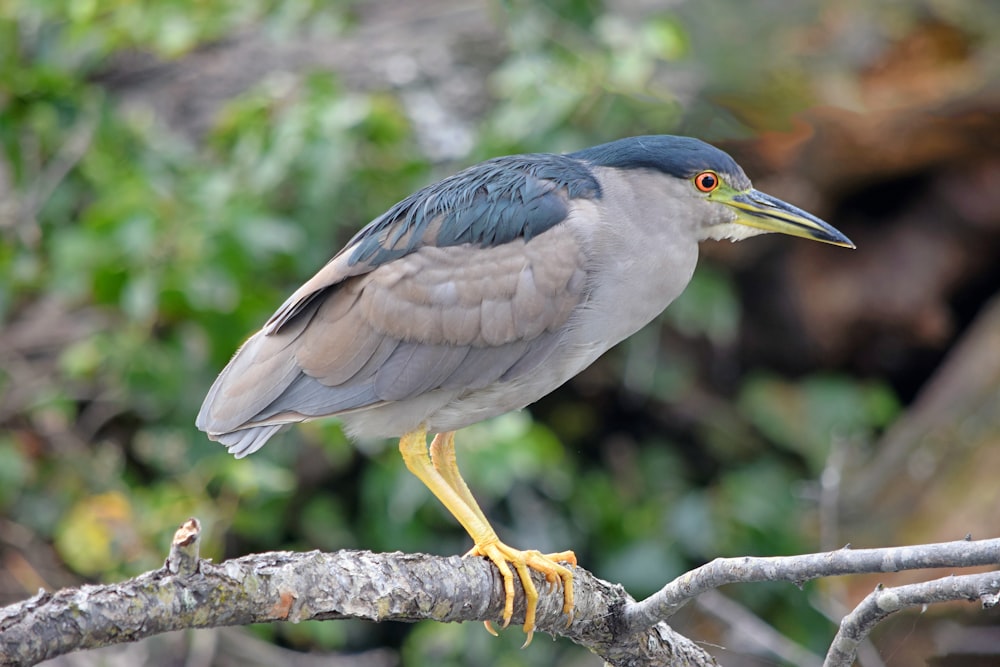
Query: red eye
column 706, row 181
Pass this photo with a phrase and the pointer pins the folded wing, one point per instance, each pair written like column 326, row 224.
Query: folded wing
column 410, row 308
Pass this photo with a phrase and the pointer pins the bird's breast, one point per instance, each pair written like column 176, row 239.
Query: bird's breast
column 631, row 283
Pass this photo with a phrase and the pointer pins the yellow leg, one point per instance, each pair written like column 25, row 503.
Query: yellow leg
column 442, row 453
column 438, row 470
column 443, row 458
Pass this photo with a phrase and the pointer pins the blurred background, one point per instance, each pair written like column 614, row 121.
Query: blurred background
column 171, row 170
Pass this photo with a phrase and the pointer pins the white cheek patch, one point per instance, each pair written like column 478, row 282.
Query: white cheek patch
column 732, row 231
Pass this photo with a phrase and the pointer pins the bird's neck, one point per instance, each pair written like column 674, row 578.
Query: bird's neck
column 642, row 259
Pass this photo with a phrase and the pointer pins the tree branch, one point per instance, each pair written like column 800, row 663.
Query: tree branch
column 284, row 586
column 189, row 592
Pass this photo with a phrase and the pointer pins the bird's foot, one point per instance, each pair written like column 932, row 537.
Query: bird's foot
column 523, row 561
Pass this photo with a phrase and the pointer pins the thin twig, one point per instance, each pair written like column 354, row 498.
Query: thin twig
column 882, row 602
column 833, row 609
column 47, row 179
column 799, row 569
column 760, row 636
column 829, row 494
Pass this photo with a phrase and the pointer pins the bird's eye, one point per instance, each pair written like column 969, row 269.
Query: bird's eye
column 706, row 181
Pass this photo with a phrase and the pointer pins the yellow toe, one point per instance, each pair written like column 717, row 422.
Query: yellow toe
column 523, row 562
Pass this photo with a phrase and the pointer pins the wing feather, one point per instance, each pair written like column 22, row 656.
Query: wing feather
column 415, row 368
column 445, row 291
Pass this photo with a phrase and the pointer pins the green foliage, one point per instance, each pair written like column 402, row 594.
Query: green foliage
column 805, row 416
column 708, row 307
column 603, row 79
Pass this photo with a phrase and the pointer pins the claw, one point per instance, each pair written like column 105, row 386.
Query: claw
column 524, row 561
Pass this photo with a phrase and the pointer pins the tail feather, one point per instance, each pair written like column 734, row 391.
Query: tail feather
column 246, row 441
column 257, row 375
column 263, row 388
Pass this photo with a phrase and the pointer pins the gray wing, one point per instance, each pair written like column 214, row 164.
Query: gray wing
column 360, row 333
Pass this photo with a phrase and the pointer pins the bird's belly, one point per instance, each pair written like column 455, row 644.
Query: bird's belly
column 501, row 397
column 449, row 410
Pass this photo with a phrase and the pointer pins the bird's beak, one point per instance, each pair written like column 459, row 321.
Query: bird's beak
column 756, row 209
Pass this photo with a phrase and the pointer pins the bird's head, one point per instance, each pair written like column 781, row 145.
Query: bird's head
column 710, row 190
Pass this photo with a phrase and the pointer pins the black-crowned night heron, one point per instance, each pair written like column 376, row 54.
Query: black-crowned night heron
column 484, row 292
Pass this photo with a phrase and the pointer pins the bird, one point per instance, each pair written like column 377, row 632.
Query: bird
column 482, row 293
